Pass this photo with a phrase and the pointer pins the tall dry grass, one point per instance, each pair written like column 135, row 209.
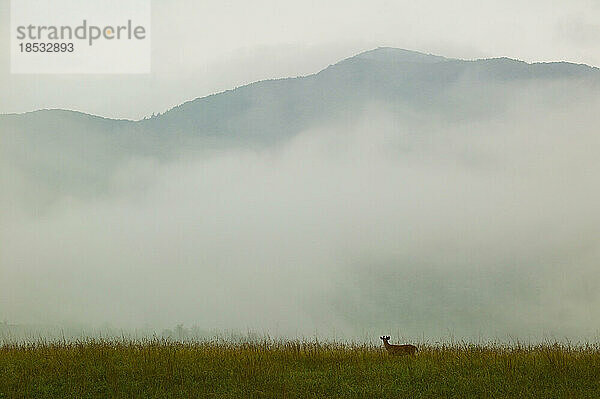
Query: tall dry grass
column 294, row 369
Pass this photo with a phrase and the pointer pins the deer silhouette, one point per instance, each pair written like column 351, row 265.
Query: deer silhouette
column 398, row 349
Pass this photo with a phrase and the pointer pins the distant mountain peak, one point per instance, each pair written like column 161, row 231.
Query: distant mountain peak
column 383, row 73
column 398, row 55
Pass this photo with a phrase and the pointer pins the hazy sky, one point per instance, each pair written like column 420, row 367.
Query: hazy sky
column 201, row 47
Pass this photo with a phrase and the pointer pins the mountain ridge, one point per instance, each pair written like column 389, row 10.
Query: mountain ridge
column 394, row 55
column 74, row 153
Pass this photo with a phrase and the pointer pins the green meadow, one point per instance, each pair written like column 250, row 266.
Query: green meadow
column 294, row 369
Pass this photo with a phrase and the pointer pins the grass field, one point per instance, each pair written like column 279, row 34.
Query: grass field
column 271, row 369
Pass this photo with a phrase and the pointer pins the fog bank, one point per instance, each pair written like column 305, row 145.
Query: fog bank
column 389, row 222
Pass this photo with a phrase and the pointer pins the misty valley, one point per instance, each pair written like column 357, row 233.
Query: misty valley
column 395, row 191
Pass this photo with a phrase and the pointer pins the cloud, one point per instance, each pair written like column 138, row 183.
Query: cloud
column 480, row 227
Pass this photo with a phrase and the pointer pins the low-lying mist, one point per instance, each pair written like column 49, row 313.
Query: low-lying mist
column 390, row 222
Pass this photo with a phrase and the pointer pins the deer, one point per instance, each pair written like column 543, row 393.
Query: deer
column 398, row 350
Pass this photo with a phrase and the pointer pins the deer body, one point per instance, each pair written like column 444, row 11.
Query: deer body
column 398, row 349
